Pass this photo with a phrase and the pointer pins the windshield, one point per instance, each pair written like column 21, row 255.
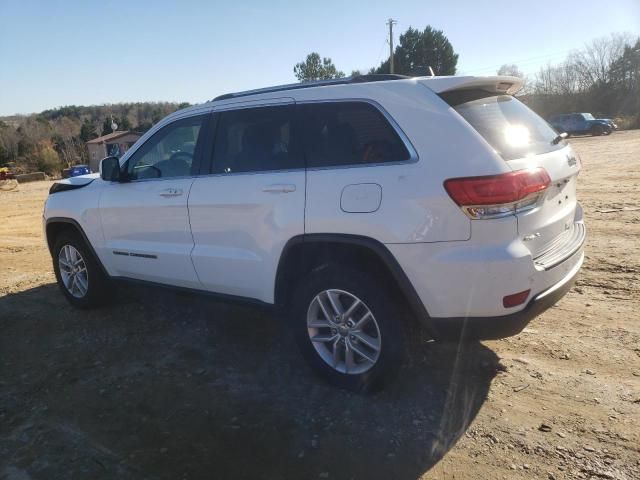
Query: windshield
column 510, row 127
column 588, row 116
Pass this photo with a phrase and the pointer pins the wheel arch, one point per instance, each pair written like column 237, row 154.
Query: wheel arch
column 304, row 253
column 54, row 226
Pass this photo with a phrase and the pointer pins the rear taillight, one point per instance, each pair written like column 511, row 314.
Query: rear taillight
column 498, row 195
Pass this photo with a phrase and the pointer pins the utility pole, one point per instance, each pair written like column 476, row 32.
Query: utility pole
column 391, row 23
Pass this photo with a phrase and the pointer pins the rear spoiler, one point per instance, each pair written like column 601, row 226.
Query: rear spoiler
column 501, row 84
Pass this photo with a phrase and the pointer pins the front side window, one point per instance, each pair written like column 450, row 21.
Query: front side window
column 168, row 153
column 349, row 133
column 254, row 140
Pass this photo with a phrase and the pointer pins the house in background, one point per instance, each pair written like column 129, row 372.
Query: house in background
column 112, row 144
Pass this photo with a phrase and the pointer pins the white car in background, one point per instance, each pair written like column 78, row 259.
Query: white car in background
column 357, row 206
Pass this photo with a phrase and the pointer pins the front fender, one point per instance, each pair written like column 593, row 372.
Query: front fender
column 79, row 205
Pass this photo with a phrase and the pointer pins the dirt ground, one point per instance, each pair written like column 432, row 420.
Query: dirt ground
column 175, row 386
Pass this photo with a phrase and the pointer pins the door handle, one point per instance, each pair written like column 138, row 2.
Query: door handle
column 279, row 188
column 171, row 192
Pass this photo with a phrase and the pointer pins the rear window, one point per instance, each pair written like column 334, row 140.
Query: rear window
column 349, row 133
column 509, row 126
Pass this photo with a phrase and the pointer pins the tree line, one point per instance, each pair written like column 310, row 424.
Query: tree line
column 602, row 78
column 55, row 139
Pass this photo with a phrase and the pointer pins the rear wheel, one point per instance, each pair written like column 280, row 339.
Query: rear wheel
column 78, row 273
column 348, row 328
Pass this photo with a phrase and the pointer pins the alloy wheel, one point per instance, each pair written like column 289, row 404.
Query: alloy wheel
column 343, row 331
column 73, row 271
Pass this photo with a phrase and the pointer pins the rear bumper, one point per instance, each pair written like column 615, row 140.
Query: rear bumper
column 491, row 328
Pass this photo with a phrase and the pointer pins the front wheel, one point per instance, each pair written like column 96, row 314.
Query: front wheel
column 348, row 328
column 597, row 130
column 78, row 273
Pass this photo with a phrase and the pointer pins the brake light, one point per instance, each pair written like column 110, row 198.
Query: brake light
column 498, row 195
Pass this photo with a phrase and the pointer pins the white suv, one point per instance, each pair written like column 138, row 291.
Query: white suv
column 357, row 205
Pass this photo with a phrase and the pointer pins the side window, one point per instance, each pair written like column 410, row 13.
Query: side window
column 349, row 133
column 169, row 152
column 255, row 139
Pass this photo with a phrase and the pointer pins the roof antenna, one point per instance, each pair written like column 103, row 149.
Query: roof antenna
column 431, row 70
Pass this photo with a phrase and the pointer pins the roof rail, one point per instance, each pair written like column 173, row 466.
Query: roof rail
column 316, row 83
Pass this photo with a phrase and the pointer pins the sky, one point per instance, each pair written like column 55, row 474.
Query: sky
column 55, row 52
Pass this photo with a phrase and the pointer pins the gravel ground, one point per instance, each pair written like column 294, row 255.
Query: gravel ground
column 169, row 385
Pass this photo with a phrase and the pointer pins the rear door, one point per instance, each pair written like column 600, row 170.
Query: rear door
column 252, row 202
column 145, row 221
column 524, row 140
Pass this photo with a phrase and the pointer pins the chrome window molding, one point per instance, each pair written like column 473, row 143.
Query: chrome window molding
column 270, row 102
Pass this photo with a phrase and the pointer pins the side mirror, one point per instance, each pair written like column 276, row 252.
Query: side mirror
column 110, row 169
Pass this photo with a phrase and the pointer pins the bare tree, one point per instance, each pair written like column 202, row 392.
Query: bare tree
column 510, row 69
column 593, row 63
column 69, row 146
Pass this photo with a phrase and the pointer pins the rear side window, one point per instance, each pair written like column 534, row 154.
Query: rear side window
column 509, row 126
column 255, row 139
column 348, row 133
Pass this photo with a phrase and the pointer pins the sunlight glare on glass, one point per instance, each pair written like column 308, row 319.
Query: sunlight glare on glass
column 517, row 135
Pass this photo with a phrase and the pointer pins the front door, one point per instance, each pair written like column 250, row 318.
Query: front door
column 251, row 204
column 145, row 220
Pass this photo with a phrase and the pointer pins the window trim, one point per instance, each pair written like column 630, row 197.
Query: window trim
column 206, row 168
column 244, row 104
column 196, row 165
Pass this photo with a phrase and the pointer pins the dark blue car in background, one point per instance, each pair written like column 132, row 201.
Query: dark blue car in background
column 582, row 124
column 75, row 171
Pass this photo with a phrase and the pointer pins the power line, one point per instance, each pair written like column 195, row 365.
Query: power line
column 379, row 57
column 524, row 61
column 519, row 63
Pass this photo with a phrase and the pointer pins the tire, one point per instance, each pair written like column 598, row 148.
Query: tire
column 383, row 328
column 597, row 130
column 70, row 251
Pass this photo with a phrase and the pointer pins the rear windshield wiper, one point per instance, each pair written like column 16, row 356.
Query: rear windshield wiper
column 559, row 138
